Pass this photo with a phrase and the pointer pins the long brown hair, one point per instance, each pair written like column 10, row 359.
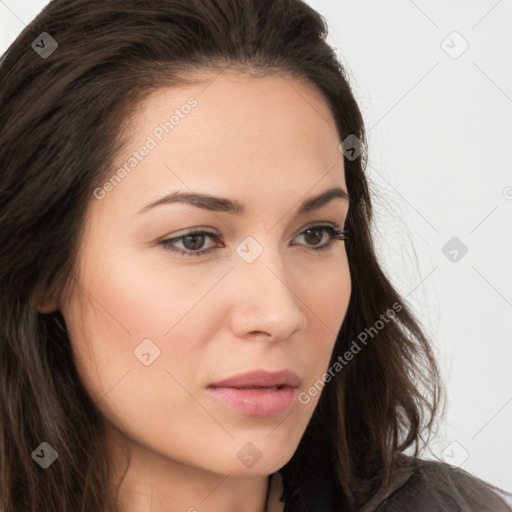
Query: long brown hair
column 62, row 116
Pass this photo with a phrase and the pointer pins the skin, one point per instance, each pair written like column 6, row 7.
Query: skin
column 269, row 143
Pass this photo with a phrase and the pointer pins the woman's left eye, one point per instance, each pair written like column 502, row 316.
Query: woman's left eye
column 194, row 240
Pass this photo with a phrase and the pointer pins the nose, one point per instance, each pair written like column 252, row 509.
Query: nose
column 264, row 303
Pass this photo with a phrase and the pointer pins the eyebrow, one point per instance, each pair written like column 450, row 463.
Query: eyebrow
column 233, row 207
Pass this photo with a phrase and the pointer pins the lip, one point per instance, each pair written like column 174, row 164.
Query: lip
column 257, row 402
column 260, row 378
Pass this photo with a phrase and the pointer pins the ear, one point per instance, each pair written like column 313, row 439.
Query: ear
column 45, row 303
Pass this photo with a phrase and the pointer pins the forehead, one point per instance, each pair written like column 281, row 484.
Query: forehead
column 230, row 133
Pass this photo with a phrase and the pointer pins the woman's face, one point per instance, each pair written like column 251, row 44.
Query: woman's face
column 152, row 329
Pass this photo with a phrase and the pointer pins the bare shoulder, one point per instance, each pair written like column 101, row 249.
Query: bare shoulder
column 435, row 486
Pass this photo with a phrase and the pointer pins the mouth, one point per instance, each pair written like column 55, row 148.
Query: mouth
column 258, row 392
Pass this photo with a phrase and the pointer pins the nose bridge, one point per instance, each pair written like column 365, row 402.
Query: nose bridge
column 266, row 301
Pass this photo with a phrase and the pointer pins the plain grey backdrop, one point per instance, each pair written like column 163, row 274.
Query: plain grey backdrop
column 434, row 83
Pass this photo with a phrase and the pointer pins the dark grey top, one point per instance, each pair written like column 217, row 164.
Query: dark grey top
column 424, row 486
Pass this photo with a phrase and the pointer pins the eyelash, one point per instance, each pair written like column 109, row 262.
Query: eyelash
column 335, row 233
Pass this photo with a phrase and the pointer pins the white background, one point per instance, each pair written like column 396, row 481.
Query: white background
column 440, row 146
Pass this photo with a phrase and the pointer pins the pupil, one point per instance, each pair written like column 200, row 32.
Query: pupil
column 318, row 232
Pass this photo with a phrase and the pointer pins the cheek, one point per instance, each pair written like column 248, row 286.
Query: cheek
column 117, row 327
column 326, row 295
column 121, row 313
column 326, row 302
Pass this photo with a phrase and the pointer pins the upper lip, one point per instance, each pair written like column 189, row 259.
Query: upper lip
column 260, row 378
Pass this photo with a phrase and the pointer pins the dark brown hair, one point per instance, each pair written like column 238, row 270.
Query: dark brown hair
column 62, row 121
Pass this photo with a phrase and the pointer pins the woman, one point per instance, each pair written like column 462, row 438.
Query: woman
column 193, row 315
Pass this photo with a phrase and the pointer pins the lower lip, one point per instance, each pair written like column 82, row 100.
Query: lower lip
column 256, row 402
